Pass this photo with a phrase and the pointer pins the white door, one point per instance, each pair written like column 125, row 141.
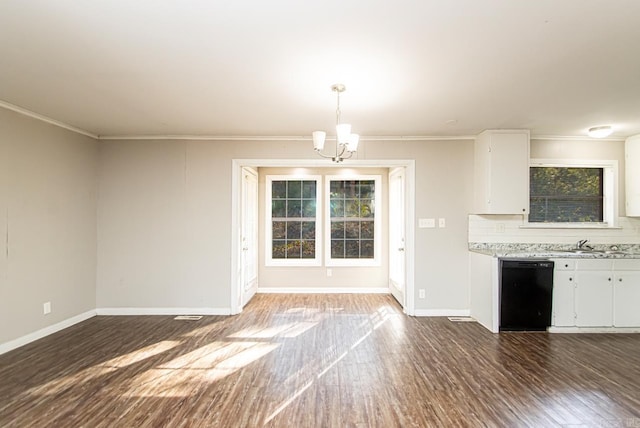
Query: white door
column 397, row 267
column 249, row 236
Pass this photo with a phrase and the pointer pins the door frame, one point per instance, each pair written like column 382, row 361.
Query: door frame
column 236, row 206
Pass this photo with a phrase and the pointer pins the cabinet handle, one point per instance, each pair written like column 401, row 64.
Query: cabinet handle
column 620, row 279
column 570, row 279
column 609, row 279
column 566, row 265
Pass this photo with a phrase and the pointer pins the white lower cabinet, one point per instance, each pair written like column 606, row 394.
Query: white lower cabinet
column 596, row 293
column 626, row 299
column 594, row 299
column 564, row 314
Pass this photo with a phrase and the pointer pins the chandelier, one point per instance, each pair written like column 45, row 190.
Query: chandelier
column 346, row 142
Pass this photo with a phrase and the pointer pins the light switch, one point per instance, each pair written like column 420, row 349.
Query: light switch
column 426, row 222
column 441, row 222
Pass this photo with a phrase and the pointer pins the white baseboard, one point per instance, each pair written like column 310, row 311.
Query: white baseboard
column 163, row 311
column 441, row 313
column 594, row 330
column 31, row 337
column 323, row 290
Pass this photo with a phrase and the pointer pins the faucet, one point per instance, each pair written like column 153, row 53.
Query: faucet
column 582, row 244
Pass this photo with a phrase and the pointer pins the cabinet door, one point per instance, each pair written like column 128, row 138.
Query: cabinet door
column 509, row 167
column 564, row 314
column 626, row 299
column 632, row 176
column 501, row 172
column 594, row 299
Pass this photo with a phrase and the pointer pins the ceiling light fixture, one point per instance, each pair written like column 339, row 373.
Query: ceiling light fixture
column 345, row 140
column 600, row 131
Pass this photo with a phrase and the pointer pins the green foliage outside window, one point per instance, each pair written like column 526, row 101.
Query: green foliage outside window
column 566, row 194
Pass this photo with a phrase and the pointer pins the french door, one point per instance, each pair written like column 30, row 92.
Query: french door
column 397, row 258
column 249, row 236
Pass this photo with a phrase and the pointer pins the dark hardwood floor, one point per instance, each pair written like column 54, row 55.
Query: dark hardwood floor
column 318, row 361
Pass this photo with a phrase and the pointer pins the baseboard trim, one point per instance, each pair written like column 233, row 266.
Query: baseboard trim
column 162, row 311
column 593, row 329
column 323, row 290
column 441, row 313
column 43, row 332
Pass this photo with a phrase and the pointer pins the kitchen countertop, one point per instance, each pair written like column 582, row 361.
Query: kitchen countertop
column 627, row 251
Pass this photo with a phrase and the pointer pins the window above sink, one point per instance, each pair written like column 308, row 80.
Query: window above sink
column 567, row 193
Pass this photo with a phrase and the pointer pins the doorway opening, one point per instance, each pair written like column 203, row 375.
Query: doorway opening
column 400, row 194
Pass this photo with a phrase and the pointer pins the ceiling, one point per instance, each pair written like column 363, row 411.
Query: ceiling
column 250, row 68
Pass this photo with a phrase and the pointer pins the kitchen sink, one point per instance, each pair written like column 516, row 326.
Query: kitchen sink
column 587, row 251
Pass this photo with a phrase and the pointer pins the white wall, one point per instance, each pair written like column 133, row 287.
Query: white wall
column 48, row 189
column 164, row 225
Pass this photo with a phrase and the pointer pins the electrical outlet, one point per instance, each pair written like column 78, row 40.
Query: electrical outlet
column 421, row 293
column 329, row 272
column 441, row 222
column 46, row 308
column 500, row 227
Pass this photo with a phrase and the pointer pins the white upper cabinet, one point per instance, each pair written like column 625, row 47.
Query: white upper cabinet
column 632, row 175
column 502, row 172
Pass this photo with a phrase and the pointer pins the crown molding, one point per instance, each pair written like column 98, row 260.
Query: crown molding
column 46, row 119
column 282, row 137
column 86, row 133
column 574, row 138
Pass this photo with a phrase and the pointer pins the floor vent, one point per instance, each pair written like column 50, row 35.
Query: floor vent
column 461, row 319
column 188, row 317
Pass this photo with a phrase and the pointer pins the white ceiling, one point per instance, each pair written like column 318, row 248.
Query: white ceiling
column 264, row 68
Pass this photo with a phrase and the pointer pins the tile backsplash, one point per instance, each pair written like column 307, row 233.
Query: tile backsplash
column 512, row 229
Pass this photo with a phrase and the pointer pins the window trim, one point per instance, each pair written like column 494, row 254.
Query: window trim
column 377, row 222
column 268, row 231
column 610, row 193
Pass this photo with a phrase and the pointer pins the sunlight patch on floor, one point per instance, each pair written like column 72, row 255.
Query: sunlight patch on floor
column 60, row 384
column 182, row 378
column 288, row 330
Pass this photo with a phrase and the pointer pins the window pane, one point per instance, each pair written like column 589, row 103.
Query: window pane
column 278, row 189
column 563, row 194
column 294, row 208
column 278, row 249
column 352, row 229
column 337, row 230
column 279, row 229
column 352, row 249
column 294, row 189
column 278, row 208
column 337, row 190
column 309, row 208
column 366, row 249
column 337, row 208
column 337, row 249
column 309, row 189
column 366, row 229
column 308, row 230
column 308, row 249
column 293, row 230
column 351, row 189
column 293, row 250
column 366, row 189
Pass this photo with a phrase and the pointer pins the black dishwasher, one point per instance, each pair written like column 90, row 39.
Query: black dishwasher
column 526, row 287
